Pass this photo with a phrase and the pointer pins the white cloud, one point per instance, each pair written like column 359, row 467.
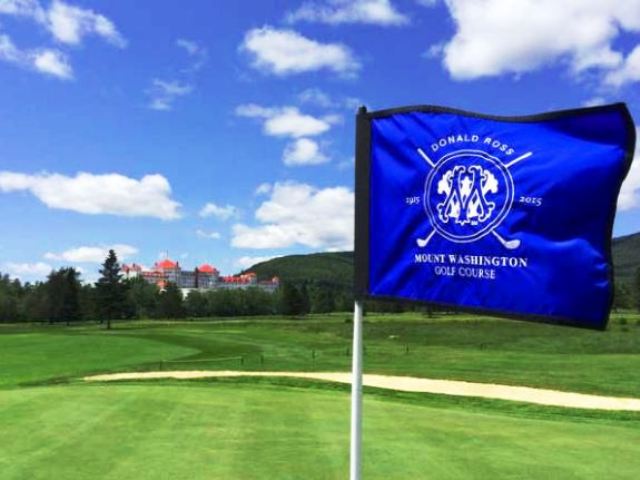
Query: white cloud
column 300, row 214
column 287, row 121
column 210, row 235
column 28, row 271
column 54, row 63
column 285, row 52
column 263, row 189
column 495, row 37
column 246, row 262
column 303, row 151
column 377, row 12
column 69, row 24
column 594, row 101
column 629, row 197
column 96, row 254
column 315, row 96
column 198, row 53
column 93, row 194
column 189, row 46
column 290, row 122
column 163, row 94
column 627, row 72
column 251, row 110
column 47, row 61
column 347, row 164
column 223, row 213
column 24, row 8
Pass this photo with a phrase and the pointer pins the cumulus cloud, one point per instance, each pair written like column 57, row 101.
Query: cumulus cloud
column 303, row 151
column 630, row 192
column 627, row 72
column 300, row 214
column 24, row 8
column 53, row 62
column 209, row 235
column 28, row 271
column 290, row 122
column 495, row 37
column 376, row 12
column 221, row 212
column 286, row 121
column 95, row 254
column 285, row 52
column 112, row 194
column 263, row 189
column 163, row 94
column 594, row 101
column 317, row 97
column 48, row 61
column 67, row 24
column 246, row 262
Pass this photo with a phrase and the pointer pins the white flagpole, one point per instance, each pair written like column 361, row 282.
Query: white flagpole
column 356, row 394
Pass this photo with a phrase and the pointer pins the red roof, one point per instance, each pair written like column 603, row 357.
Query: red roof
column 166, row 264
column 206, row 268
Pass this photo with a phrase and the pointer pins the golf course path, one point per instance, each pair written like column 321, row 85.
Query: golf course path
column 410, row 384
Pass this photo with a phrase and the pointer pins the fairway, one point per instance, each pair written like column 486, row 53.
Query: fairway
column 243, row 431
column 54, row 425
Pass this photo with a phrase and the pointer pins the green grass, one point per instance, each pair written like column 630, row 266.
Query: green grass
column 52, row 425
column 244, row 431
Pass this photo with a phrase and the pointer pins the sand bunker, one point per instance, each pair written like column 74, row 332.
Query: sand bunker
column 411, row 384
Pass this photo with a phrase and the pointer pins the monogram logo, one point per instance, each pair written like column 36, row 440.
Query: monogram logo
column 466, row 190
column 468, row 193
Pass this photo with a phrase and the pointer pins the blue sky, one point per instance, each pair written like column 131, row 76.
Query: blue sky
column 223, row 131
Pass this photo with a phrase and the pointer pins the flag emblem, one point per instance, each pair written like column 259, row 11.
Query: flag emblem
column 467, row 195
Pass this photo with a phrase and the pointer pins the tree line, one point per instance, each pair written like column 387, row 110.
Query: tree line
column 63, row 298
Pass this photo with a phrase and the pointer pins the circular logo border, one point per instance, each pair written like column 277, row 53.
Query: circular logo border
column 492, row 225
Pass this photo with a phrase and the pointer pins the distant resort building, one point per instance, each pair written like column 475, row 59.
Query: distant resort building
column 204, row 277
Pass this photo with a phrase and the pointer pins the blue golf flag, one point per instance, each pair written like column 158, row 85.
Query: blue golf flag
column 511, row 216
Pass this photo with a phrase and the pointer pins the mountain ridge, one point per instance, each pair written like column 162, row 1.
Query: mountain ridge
column 336, row 268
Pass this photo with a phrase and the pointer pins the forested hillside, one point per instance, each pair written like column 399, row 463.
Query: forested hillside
column 337, row 268
column 626, row 257
column 326, row 268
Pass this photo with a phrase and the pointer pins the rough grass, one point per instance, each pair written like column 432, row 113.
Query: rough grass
column 461, row 347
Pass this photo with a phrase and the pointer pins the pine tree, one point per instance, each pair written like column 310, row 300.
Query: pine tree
column 305, row 300
column 637, row 289
column 621, row 297
column 323, row 300
column 170, row 302
column 142, row 297
column 291, row 302
column 63, row 296
column 111, row 295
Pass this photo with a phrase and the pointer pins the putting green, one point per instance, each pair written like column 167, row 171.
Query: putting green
column 246, row 431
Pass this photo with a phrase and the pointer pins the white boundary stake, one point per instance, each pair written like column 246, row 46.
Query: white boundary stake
column 356, row 394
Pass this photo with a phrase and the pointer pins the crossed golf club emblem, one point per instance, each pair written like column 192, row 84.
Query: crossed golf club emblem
column 491, row 213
